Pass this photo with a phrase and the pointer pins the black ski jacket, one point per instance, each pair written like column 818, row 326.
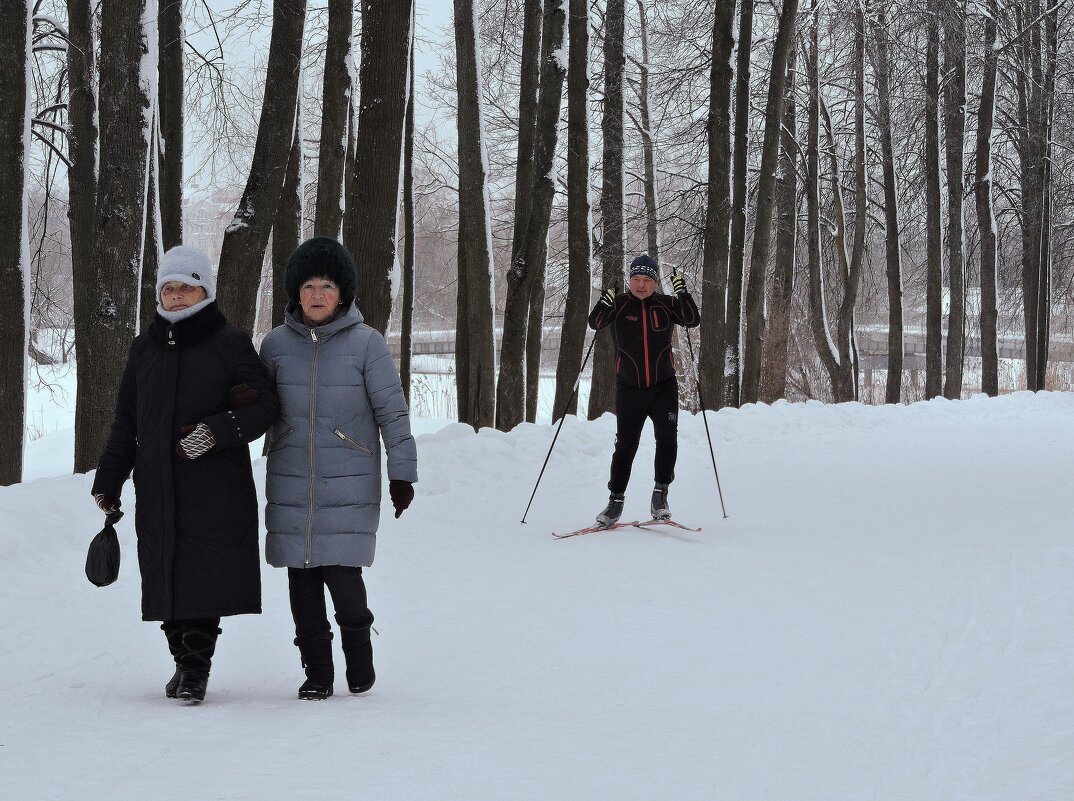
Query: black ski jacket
column 196, row 520
column 641, row 331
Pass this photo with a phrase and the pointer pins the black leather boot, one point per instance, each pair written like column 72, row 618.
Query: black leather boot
column 316, row 654
column 199, row 645
column 358, row 649
column 173, row 630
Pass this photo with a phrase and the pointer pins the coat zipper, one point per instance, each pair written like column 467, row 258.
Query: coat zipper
column 645, row 340
column 313, row 434
column 352, row 441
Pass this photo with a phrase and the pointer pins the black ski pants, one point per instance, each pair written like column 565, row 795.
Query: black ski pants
column 633, row 405
column 308, row 606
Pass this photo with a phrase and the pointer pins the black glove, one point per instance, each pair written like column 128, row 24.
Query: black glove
column 402, row 493
column 198, row 441
column 607, row 297
column 106, row 503
column 242, row 395
column 678, row 283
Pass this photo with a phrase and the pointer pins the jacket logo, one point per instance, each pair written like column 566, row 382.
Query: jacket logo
column 632, row 317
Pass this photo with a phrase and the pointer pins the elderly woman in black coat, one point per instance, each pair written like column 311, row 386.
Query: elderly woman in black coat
column 193, row 395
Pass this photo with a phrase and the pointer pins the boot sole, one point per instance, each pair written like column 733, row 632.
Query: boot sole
column 314, row 696
column 361, row 688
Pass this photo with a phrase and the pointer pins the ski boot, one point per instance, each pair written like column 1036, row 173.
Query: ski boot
column 612, row 511
column 658, row 507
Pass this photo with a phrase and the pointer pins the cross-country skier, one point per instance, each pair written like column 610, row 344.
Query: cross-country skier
column 642, row 322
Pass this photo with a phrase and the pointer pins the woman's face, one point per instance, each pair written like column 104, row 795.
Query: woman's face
column 176, row 296
column 319, row 299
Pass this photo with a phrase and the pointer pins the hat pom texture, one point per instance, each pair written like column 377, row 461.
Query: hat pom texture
column 321, row 256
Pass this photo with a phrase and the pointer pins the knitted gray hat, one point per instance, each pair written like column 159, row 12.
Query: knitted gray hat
column 188, row 265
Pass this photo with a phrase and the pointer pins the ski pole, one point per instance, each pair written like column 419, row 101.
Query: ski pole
column 562, row 417
column 701, row 400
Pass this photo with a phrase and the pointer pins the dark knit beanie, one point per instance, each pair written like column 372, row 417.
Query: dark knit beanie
column 325, row 257
column 644, row 265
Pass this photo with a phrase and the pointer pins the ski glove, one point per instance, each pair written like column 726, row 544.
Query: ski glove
column 197, row 442
column 106, row 503
column 678, row 283
column 402, row 493
column 607, row 297
column 242, row 395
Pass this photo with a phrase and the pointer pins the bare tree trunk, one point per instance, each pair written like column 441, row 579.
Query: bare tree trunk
column 1044, row 284
column 338, row 83
column 370, row 224
column 954, row 116
column 152, row 248
column 579, row 230
column 652, row 225
column 534, row 332
column 406, row 327
column 109, row 327
column 172, row 39
column 766, row 190
column 246, row 239
column 822, row 337
column 732, row 329
column 602, row 393
column 774, row 374
column 523, row 274
column 933, row 224
column 718, row 210
column 986, row 220
column 893, row 393
column 287, row 225
column 15, row 58
column 475, row 356
column 1029, row 85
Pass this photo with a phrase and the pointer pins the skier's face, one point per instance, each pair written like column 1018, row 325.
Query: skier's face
column 319, row 299
column 642, row 286
column 176, row 296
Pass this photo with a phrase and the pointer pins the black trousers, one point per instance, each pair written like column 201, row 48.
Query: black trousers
column 308, row 606
column 633, row 405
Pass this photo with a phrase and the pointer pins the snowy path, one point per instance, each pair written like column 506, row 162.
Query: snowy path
column 849, row 632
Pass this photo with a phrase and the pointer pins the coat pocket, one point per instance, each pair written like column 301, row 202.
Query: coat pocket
column 352, row 442
column 277, row 440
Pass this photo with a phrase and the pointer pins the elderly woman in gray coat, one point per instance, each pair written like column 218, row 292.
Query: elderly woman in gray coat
column 340, row 396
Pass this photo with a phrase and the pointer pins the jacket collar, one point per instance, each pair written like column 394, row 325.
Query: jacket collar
column 190, row 331
column 349, row 318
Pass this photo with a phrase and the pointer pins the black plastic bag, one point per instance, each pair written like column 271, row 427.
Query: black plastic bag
column 102, row 560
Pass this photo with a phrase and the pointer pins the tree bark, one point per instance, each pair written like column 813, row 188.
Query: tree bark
column 406, row 326
column 602, row 393
column 1050, row 43
column 152, row 248
column 169, row 172
column 370, row 224
column 718, row 210
column 766, row 189
column 822, row 337
column 933, row 223
column 892, row 244
column 579, row 231
column 287, row 224
column 732, row 330
column 109, row 325
column 774, row 374
column 246, row 239
column 475, row 356
column 15, row 58
column 954, row 117
column 523, row 274
column 986, row 220
column 336, row 94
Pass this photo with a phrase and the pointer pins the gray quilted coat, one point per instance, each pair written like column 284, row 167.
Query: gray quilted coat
column 339, row 397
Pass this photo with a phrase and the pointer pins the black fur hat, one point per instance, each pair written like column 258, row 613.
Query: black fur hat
column 321, row 256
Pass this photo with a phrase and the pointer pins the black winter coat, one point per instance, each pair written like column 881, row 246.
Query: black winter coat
column 641, row 330
column 196, row 520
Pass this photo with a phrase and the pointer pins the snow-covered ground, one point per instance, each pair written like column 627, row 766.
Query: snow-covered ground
column 888, row 613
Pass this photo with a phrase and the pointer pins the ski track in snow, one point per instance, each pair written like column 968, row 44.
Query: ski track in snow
column 886, row 614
